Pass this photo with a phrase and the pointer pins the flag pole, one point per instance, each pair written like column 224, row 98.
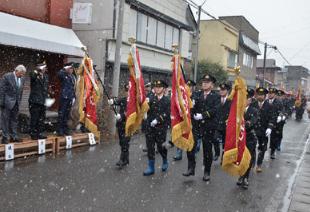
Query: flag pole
column 104, row 88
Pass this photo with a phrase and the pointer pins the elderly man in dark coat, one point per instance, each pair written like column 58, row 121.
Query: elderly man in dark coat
column 12, row 85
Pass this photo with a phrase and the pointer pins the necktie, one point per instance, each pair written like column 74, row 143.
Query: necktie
column 18, row 82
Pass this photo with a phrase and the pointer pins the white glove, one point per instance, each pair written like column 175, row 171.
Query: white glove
column 118, row 116
column 145, row 116
column 193, row 102
column 279, row 119
column 73, row 100
column 110, row 101
column 198, row 116
column 147, row 99
column 283, row 118
column 268, row 132
column 154, row 122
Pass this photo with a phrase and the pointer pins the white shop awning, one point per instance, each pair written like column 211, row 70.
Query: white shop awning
column 26, row 33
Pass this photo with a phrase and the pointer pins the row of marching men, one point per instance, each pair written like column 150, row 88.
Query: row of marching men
column 265, row 116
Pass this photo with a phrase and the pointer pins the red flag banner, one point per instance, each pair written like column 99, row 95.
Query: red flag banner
column 236, row 158
column 136, row 102
column 88, row 96
column 298, row 97
column 182, row 136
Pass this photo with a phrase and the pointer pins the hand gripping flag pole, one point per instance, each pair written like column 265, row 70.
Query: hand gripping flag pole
column 236, row 158
column 104, row 88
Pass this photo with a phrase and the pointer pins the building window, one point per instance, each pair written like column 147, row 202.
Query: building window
column 156, row 33
column 141, row 27
column 161, row 34
column 231, row 59
column 151, row 31
column 247, row 60
column 176, row 35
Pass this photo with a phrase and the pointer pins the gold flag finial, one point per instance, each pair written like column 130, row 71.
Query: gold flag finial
column 237, row 70
column 132, row 40
column 175, row 48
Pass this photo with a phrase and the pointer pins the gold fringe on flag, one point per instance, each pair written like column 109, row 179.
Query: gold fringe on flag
column 230, row 157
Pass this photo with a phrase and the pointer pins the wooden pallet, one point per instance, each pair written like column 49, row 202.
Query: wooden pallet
column 78, row 140
column 28, row 148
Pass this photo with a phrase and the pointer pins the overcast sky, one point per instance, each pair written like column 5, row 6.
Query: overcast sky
column 284, row 23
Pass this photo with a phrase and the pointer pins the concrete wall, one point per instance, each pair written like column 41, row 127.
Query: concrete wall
column 176, row 9
column 215, row 40
column 95, row 35
column 56, row 12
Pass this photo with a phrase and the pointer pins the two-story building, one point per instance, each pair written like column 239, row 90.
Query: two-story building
column 248, row 47
column 272, row 75
column 155, row 24
column 297, row 76
column 219, row 43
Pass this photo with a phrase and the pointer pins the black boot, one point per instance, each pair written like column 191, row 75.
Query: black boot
column 120, row 162
column 190, row 170
column 206, row 176
column 240, row 181
column 124, row 160
column 4, row 140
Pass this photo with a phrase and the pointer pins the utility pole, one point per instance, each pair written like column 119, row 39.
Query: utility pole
column 117, row 58
column 264, row 65
column 197, row 43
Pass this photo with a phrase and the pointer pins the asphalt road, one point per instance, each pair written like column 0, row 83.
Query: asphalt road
column 86, row 179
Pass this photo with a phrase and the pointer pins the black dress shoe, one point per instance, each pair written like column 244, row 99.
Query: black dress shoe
column 216, row 157
column 177, row 158
column 34, row 137
column 42, row 137
column 245, row 184
column 17, row 140
column 60, row 134
column 240, row 181
column 206, row 177
column 4, row 141
column 67, row 132
column 190, row 172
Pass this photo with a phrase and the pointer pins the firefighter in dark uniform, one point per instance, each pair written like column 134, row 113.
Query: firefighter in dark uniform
column 157, row 122
column 149, row 90
column 221, row 116
column 250, row 119
column 120, row 125
column 204, row 112
column 37, row 97
column 265, row 124
column 280, row 125
column 67, row 97
column 278, row 113
column 191, row 84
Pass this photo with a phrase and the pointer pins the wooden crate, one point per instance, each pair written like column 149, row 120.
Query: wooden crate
column 29, row 147
column 81, row 139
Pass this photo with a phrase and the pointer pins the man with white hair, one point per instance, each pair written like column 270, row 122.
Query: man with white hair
column 12, row 85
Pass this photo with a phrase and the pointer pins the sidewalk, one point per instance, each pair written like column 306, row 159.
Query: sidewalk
column 300, row 201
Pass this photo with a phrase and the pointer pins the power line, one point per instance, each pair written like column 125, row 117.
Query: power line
column 283, row 56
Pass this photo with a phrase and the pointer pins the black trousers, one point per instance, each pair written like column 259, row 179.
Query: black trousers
column 191, row 156
column 158, row 136
column 251, row 145
column 37, row 118
column 123, row 139
column 207, row 139
column 63, row 114
column 262, row 147
column 276, row 137
column 9, row 122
